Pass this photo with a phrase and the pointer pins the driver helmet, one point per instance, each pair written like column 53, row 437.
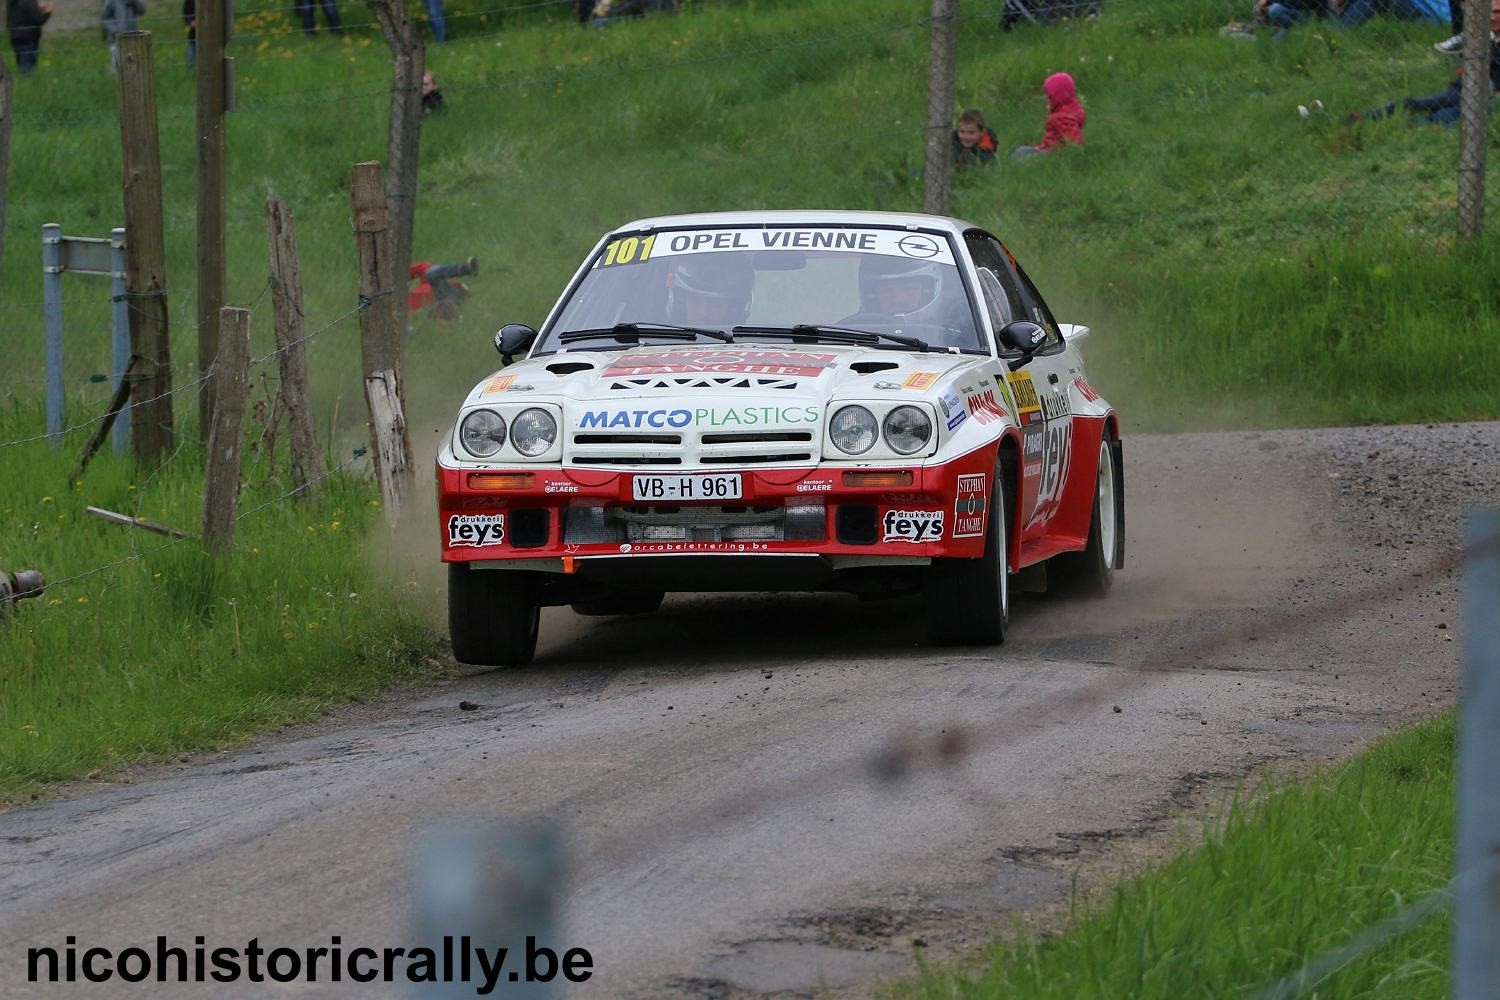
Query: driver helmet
column 904, row 289
column 709, row 289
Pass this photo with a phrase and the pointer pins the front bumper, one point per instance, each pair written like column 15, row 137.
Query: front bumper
column 554, row 519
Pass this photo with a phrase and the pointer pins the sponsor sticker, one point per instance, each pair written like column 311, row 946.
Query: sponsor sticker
column 913, row 525
column 1028, row 406
column 950, row 401
column 660, row 547
column 1056, row 405
column 1085, row 390
column 919, row 380
column 802, row 364
column 983, row 406
column 706, row 416
column 815, row 486
column 891, row 243
column 476, row 530
column 969, row 506
column 560, row 488
column 498, row 384
column 959, row 416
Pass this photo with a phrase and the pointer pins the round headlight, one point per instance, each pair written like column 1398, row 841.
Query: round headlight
column 853, row 430
column 482, row 432
column 907, row 430
column 533, row 432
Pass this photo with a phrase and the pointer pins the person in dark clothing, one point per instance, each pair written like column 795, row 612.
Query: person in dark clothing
column 1441, row 108
column 190, row 18
column 308, row 11
column 974, row 142
column 25, row 19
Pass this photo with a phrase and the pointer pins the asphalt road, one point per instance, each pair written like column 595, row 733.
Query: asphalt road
column 722, row 769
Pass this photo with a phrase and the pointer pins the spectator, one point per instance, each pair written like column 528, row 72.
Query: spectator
column 974, row 142
column 190, row 18
column 309, row 14
column 437, row 21
column 432, row 95
column 25, row 19
column 116, row 16
column 1441, row 108
column 1352, row 13
column 1065, row 117
column 1285, row 13
column 435, row 293
column 1455, row 44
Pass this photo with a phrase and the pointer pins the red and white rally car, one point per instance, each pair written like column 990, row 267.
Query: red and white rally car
column 751, row 401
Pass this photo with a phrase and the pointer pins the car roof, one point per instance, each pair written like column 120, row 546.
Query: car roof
column 800, row 218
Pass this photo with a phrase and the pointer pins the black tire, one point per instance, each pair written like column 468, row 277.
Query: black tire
column 493, row 616
column 1090, row 573
column 639, row 603
column 968, row 600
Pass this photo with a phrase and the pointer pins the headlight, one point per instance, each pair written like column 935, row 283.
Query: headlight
column 482, row 432
column 853, row 430
column 907, row 430
column 533, row 432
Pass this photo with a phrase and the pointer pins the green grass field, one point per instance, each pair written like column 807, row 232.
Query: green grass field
column 1239, row 264
column 1301, row 873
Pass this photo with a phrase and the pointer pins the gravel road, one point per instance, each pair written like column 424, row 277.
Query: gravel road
column 710, row 763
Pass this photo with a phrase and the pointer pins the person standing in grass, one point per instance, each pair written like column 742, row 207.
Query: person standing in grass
column 117, row 16
column 1065, row 117
column 307, row 10
column 974, row 142
column 25, row 19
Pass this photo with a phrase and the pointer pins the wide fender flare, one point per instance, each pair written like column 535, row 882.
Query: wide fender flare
column 1075, row 515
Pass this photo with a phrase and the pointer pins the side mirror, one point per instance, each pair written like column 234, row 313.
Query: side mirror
column 512, row 339
column 1023, row 335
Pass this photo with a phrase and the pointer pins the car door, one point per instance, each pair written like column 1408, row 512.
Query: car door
column 1049, row 381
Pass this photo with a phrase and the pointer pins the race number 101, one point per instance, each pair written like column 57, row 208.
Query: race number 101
column 629, row 250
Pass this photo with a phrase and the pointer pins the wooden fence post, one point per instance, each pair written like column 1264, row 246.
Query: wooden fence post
column 404, row 144
column 286, row 301
column 221, row 479
column 5, row 88
column 380, row 338
column 146, row 253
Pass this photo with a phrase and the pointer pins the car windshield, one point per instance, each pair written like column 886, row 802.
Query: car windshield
column 769, row 284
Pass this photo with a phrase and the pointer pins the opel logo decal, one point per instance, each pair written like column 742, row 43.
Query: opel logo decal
column 917, row 246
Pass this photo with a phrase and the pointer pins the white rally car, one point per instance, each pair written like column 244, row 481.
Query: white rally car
column 749, row 401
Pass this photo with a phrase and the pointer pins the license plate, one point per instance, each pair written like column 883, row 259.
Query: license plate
column 673, row 488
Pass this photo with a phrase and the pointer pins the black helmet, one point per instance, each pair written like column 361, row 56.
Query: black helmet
column 716, row 282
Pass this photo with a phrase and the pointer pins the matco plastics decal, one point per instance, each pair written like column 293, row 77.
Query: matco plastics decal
column 475, row 529
column 913, row 525
column 708, row 416
column 968, row 508
column 802, row 364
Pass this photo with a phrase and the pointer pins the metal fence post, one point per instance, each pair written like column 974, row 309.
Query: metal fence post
column 52, row 266
column 490, row 885
column 1476, row 911
column 119, row 331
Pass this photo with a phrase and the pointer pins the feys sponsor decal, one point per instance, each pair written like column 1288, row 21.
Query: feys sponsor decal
column 1085, row 390
column 969, row 506
column 913, row 525
column 476, row 530
column 703, row 416
column 919, row 380
column 800, row 364
column 1028, row 406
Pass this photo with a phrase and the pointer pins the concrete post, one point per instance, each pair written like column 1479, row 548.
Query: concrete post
column 52, row 266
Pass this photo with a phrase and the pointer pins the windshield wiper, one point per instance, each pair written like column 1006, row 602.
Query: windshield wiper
column 837, row 335
column 635, row 331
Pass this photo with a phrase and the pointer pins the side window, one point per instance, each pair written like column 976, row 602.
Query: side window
column 1036, row 309
column 989, row 258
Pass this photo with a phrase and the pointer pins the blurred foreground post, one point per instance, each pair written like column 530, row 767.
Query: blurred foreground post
column 5, row 87
column 404, row 143
column 146, row 256
column 937, row 174
column 492, row 885
column 1476, row 911
column 1474, row 113
column 221, row 476
column 286, row 301
column 380, row 338
column 209, row 70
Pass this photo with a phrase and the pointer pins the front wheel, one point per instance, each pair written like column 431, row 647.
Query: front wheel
column 968, row 600
column 493, row 616
column 1090, row 573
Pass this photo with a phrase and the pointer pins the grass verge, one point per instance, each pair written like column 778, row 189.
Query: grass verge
column 1300, row 872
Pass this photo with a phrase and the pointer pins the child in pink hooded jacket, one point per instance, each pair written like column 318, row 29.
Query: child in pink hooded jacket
column 1065, row 116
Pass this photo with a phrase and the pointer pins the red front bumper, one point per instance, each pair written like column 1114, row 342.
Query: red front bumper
column 573, row 514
